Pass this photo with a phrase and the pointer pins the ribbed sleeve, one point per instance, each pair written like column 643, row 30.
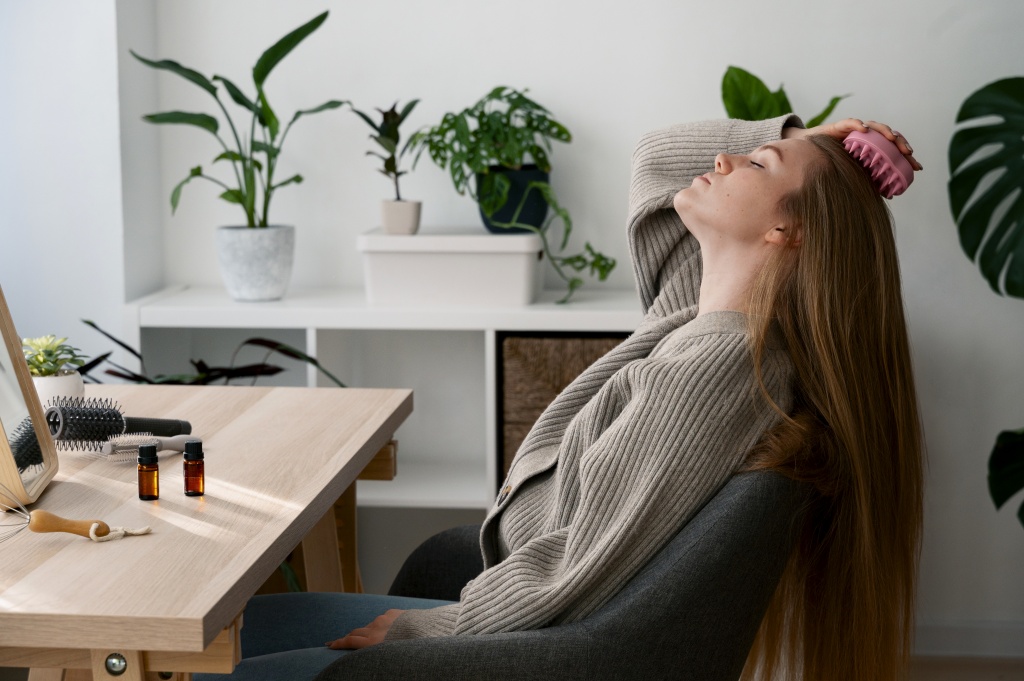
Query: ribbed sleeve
column 666, row 257
column 633, row 447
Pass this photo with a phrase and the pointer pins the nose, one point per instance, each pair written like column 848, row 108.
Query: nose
column 723, row 164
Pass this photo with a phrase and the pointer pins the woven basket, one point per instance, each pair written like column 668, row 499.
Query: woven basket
column 534, row 370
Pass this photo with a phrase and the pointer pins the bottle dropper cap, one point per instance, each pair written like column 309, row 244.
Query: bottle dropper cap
column 194, row 450
column 147, row 454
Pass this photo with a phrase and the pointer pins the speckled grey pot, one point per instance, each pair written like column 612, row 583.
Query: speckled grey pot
column 256, row 263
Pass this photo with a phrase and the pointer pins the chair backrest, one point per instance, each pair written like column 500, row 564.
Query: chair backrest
column 691, row 613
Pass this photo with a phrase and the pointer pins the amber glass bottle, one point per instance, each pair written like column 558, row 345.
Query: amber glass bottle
column 149, row 473
column 194, row 474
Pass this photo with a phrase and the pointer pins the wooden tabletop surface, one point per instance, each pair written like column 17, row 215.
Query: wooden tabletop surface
column 276, row 460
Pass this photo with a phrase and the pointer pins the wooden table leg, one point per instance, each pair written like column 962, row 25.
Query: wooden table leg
column 323, row 566
column 347, row 540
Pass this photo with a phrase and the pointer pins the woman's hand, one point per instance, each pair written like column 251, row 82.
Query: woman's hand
column 841, row 129
column 372, row 634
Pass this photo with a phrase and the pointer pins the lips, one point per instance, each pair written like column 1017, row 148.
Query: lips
column 705, row 178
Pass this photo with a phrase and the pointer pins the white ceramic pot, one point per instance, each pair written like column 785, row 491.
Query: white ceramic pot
column 400, row 217
column 62, row 385
column 256, row 262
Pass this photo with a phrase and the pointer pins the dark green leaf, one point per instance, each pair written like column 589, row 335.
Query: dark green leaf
column 996, row 245
column 237, row 96
column 369, row 121
column 289, row 351
column 279, row 50
column 230, row 156
column 204, row 121
column 270, row 150
column 233, row 196
column 267, row 116
column 826, row 112
column 386, row 142
column 128, row 376
column 186, row 73
column 290, row 578
column 1006, row 466
column 93, row 363
column 407, row 109
column 176, row 192
column 120, row 343
column 294, row 179
column 746, row 97
column 326, row 106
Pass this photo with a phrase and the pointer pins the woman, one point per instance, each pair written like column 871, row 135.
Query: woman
column 773, row 338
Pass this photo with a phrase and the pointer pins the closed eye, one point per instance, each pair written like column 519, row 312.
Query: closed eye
column 756, row 164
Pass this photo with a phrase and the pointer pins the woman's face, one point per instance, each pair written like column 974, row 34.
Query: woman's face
column 739, row 201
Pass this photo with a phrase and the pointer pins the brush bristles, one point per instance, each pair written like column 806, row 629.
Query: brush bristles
column 25, row 446
column 886, row 177
column 84, row 423
column 125, row 448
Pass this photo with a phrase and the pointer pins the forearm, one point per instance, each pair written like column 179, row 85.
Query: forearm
column 666, row 161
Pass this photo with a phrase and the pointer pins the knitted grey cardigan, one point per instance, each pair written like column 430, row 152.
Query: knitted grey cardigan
column 629, row 451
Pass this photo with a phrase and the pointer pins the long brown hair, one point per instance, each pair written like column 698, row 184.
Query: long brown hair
column 845, row 606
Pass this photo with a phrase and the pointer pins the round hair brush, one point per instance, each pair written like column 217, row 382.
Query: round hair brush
column 25, row 446
column 86, row 423
column 890, row 170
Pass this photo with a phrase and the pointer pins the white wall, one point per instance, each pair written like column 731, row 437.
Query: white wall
column 61, row 236
column 610, row 73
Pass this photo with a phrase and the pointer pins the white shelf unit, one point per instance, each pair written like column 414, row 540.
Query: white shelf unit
column 447, row 355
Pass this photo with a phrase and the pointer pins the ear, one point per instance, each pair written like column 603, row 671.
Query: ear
column 781, row 235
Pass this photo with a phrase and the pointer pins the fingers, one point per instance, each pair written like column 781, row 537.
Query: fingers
column 371, row 634
column 898, row 139
column 352, row 641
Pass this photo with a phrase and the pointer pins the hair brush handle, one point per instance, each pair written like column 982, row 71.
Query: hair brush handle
column 44, row 521
column 161, row 427
column 890, row 171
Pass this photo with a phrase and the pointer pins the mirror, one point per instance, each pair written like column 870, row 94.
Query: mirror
column 28, row 457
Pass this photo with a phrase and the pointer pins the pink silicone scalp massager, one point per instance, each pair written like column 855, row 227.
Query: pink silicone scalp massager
column 890, row 170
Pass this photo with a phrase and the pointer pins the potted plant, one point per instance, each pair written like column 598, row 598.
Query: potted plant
column 398, row 216
column 255, row 258
column 54, row 366
column 497, row 151
column 995, row 123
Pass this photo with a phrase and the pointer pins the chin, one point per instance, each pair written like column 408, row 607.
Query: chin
column 681, row 201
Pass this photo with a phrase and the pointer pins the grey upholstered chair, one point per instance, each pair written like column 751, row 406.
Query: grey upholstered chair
column 691, row 613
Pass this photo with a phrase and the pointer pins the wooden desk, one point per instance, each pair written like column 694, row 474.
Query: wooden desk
column 276, row 461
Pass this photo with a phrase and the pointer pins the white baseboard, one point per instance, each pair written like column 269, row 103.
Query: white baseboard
column 971, row 639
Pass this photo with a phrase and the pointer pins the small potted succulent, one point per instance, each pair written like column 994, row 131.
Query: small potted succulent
column 398, row 216
column 255, row 258
column 497, row 151
column 54, row 366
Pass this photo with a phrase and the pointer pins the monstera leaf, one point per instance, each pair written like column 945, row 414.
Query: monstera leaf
column 1006, row 468
column 986, row 186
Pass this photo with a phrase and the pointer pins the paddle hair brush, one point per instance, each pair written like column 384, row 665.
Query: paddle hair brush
column 890, row 171
column 125, row 448
column 86, row 423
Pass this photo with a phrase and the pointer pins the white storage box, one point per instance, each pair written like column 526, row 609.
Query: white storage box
column 451, row 268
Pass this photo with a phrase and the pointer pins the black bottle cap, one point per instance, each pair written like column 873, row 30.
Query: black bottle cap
column 194, row 450
column 147, row 454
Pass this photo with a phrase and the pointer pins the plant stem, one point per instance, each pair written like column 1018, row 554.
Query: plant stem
column 398, row 197
column 241, row 150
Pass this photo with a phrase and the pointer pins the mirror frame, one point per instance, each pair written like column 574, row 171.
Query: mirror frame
column 9, row 476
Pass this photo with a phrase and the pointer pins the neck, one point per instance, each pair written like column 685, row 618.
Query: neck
column 726, row 278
